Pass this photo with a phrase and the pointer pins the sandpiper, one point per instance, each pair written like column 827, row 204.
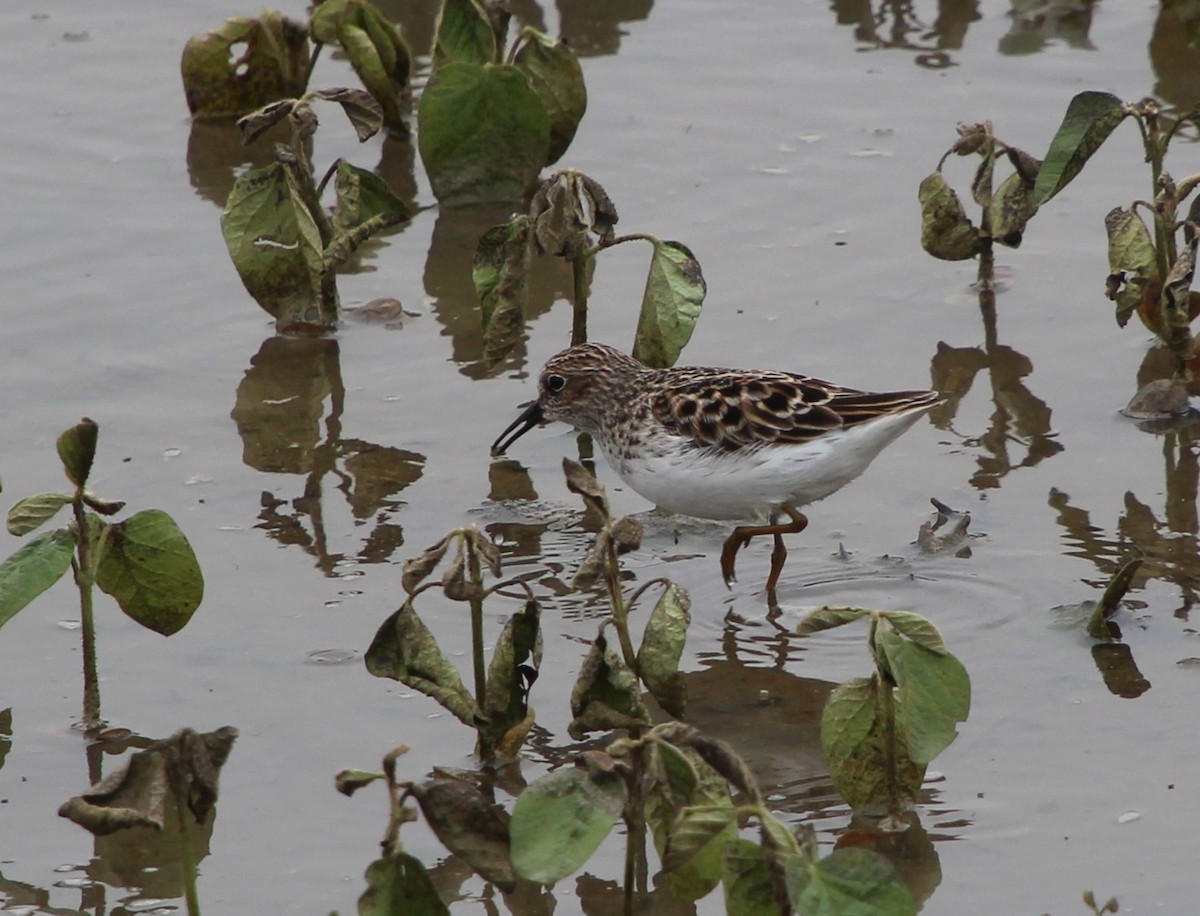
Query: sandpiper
column 721, row 443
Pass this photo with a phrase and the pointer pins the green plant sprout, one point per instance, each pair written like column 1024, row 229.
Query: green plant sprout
column 405, row 650
column 572, row 217
column 248, row 63
column 489, row 122
column 880, row 732
column 144, row 562
column 184, row 770
column 284, row 246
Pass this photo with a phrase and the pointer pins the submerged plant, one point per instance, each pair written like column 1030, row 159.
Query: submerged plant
column 466, row 821
column 572, row 217
column 405, row 650
column 285, row 247
column 144, row 562
column 879, row 733
column 183, row 770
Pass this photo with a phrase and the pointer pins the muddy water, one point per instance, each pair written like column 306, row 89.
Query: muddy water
column 783, row 143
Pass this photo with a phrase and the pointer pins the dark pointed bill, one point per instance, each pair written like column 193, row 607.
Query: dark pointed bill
column 530, row 417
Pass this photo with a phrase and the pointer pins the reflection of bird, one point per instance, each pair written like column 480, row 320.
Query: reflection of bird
column 721, row 443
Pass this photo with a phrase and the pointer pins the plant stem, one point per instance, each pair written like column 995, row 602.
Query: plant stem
column 612, row 573
column 887, row 713
column 312, row 62
column 476, row 602
column 887, row 706
column 92, row 722
column 187, row 855
column 579, row 267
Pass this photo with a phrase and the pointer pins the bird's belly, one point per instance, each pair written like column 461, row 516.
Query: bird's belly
column 753, row 483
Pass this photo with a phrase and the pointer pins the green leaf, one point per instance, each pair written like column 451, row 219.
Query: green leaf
column 933, row 695
column 780, row 834
column 77, row 449
column 696, row 829
column 606, row 694
column 1132, row 262
column 849, row 882
column 501, row 275
column 561, row 819
column 675, row 769
column 364, row 112
column 464, row 34
column 671, row 305
column 30, row 513
column 375, row 49
column 365, row 206
column 662, row 647
column 350, row 781
column 1013, row 205
column 855, row 746
column 277, row 246
column 946, row 232
column 749, row 888
column 149, row 568
column 680, row 779
column 1114, row 593
column 554, row 73
column 417, row 569
column 1090, row 118
column 404, row 650
column 516, row 660
column 362, row 196
column 826, row 618
column 470, row 826
column 917, row 628
column 484, row 134
column 272, row 65
column 399, row 884
column 33, row 569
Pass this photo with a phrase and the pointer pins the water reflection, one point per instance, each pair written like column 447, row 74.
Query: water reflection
column 280, row 406
column 1038, row 23
column 897, row 24
column 1020, row 421
column 1167, row 542
column 591, row 29
column 450, row 286
column 216, row 157
column 144, row 865
column 1175, row 53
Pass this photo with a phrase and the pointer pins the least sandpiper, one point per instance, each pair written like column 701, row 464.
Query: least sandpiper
column 721, row 443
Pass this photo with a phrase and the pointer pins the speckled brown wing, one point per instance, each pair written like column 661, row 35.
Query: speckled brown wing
column 855, row 407
column 734, row 411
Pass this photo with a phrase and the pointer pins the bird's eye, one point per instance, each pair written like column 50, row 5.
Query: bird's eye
column 555, row 383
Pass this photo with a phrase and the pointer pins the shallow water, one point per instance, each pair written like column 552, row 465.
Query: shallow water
column 784, row 145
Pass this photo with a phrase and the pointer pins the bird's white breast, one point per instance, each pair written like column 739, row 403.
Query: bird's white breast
column 753, row 482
